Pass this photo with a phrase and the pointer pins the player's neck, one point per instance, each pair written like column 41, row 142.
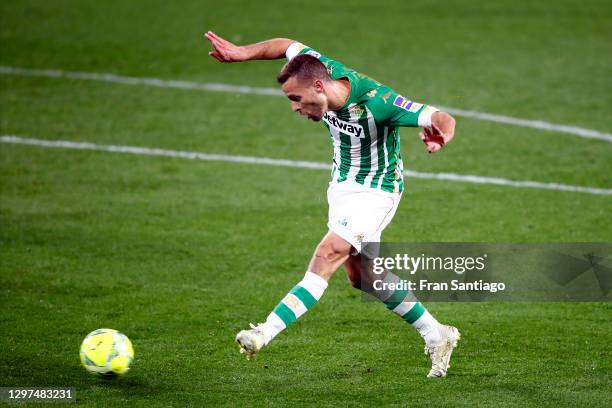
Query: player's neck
column 338, row 93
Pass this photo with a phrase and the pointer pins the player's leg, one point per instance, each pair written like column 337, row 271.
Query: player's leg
column 352, row 267
column 401, row 302
column 329, row 255
column 440, row 340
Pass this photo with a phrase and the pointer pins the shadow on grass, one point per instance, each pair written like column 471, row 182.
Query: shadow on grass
column 38, row 371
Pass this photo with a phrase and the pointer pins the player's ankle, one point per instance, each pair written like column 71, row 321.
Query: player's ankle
column 268, row 332
column 433, row 335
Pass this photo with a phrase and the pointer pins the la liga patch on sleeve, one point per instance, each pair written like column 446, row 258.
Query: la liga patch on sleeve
column 407, row 104
column 313, row 53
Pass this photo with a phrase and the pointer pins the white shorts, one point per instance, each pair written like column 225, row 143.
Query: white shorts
column 358, row 213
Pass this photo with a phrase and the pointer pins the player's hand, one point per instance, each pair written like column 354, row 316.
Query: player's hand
column 433, row 138
column 225, row 51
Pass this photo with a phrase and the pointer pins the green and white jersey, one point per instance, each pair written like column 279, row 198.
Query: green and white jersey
column 365, row 131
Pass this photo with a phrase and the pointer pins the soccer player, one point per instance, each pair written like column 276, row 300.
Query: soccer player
column 363, row 117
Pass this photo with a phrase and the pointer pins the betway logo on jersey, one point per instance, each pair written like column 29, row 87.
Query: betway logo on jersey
column 348, row 128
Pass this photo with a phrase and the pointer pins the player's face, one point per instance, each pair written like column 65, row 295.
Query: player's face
column 307, row 98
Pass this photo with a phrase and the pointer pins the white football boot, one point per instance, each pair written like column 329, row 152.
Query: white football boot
column 440, row 353
column 251, row 341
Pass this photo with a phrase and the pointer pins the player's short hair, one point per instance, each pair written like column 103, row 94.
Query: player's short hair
column 305, row 67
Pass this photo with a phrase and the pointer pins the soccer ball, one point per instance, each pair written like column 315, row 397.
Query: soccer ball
column 107, row 353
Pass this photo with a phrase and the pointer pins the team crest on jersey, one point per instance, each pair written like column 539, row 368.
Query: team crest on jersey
column 348, row 128
column 406, row 104
column 356, row 110
column 372, row 93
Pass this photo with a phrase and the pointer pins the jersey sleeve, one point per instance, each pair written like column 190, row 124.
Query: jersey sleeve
column 336, row 69
column 294, row 49
column 398, row 110
column 393, row 109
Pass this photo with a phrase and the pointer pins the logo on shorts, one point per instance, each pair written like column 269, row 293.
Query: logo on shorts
column 359, row 237
column 343, row 221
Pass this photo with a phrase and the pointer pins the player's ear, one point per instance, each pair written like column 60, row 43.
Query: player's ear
column 318, row 85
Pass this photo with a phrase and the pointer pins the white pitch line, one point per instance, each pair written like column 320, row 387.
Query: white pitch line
column 127, row 80
column 293, row 164
column 215, row 87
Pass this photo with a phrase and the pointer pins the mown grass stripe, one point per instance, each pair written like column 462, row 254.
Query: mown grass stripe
column 463, row 178
column 216, row 87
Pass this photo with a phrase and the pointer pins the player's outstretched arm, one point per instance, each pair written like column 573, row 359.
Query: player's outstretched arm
column 441, row 132
column 225, row 51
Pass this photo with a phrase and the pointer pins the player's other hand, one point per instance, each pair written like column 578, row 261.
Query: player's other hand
column 433, row 138
column 225, row 51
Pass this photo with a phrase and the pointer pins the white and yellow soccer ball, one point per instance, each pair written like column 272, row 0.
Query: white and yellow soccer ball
column 107, row 353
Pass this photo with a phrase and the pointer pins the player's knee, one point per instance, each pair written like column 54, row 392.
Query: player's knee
column 326, row 253
column 328, row 256
column 332, row 249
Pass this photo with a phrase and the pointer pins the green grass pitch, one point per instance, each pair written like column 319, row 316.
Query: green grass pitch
column 180, row 255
